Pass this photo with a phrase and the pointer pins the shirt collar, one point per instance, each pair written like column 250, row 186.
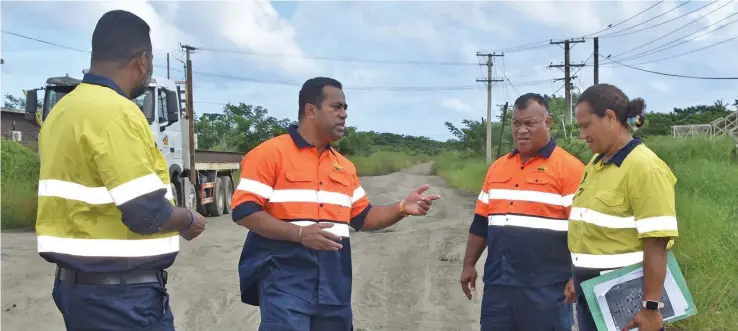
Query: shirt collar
column 103, row 81
column 544, row 152
column 299, row 140
column 620, row 155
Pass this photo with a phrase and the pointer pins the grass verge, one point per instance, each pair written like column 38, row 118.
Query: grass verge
column 19, row 185
column 707, row 210
column 382, row 163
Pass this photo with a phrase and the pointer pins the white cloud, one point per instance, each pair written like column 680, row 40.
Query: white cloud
column 660, row 86
column 256, row 26
column 165, row 35
column 576, row 16
column 456, row 104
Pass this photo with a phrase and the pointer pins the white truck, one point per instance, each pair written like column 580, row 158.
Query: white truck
column 202, row 180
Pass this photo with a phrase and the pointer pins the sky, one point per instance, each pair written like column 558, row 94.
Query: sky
column 408, row 66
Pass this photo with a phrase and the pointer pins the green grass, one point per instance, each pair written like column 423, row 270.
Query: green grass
column 382, row 163
column 707, row 210
column 19, row 185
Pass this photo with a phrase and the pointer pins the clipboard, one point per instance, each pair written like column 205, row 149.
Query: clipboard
column 616, row 296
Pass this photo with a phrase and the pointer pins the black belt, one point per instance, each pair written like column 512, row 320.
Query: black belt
column 111, row 278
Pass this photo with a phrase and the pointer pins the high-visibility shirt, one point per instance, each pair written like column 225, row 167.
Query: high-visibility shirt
column 619, row 203
column 103, row 185
column 287, row 178
column 522, row 211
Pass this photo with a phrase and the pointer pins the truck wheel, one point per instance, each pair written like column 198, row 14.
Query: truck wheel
column 215, row 208
column 228, row 193
column 190, row 198
column 175, row 196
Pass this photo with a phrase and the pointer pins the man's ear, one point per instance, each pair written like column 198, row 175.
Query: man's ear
column 549, row 122
column 310, row 111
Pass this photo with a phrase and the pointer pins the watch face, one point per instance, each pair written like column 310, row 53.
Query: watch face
column 652, row 305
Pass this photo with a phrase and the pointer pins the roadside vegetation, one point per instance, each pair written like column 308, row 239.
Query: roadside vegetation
column 18, row 185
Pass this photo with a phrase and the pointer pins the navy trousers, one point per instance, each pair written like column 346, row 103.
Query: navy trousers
column 516, row 308
column 143, row 306
column 282, row 311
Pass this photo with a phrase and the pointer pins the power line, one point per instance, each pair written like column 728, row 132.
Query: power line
column 621, row 22
column 688, row 52
column 343, row 59
column 673, row 31
column 651, row 19
column 662, row 48
column 672, row 75
column 44, row 41
column 286, row 83
column 619, row 34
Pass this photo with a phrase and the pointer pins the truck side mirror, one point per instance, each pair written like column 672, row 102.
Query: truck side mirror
column 31, row 106
column 172, row 107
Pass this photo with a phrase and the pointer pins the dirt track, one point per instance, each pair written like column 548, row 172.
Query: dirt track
column 405, row 277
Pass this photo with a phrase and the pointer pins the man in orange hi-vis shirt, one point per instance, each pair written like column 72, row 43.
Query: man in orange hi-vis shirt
column 298, row 196
column 521, row 217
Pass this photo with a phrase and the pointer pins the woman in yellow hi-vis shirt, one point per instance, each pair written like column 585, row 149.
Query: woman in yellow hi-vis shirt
column 624, row 210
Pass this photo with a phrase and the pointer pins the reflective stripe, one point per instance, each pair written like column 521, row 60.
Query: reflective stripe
column 108, row 247
column 100, row 195
column 136, row 188
column 532, row 196
column 311, row 196
column 483, row 197
column 600, row 219
column 660, row 223
column 606, row 261
column 255, row 187
column 74, row 191
column 341, row 229
column 529, row 222
column 276, row 196
column 358, row 194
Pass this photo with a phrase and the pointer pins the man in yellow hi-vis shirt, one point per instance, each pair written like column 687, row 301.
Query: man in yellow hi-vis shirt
column 105, row 216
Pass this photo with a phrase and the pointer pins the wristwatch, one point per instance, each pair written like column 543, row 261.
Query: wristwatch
column 653, row 305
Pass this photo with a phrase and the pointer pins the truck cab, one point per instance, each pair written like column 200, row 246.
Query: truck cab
column 161, row 104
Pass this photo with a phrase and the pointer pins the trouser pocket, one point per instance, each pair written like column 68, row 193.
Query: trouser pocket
column 113, row 307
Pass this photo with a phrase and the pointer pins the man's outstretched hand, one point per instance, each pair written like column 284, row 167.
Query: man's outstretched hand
column 417, row 204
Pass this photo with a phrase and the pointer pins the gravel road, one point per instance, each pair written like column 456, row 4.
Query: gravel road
column 405, row 277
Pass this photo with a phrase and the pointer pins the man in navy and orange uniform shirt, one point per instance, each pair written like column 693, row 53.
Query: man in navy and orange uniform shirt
column 296, row 269
column 521, row 217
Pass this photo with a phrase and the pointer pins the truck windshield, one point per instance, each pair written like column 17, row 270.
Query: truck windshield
column 52, row 96
column 54, row 93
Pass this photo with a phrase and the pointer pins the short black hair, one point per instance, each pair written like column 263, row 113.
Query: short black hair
column 312, row 92
column 524, row 101
column 119, row 36
column 601, row 97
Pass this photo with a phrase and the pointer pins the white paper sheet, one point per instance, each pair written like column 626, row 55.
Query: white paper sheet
column 676, row 298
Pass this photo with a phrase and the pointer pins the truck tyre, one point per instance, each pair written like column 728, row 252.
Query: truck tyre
column 175, row 195
column 215, row 208
column 228, row 193
column 190, row 198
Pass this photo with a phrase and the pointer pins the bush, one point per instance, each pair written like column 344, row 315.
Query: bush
column 19, row 187
column 382, row 163
column 707, row 212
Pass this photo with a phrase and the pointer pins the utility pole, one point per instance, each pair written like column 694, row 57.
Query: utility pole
column 502, row 130
column 190, row 113
column 489, row 81
column 597, row 60
column 567, row 73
